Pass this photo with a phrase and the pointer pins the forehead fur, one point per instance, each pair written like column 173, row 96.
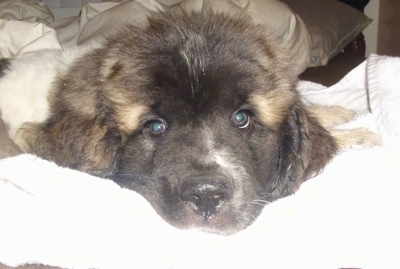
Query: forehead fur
column 193, row 62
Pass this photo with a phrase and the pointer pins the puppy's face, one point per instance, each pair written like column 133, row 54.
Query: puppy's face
column 201, row 153
column 196, row 112
column 206, row 149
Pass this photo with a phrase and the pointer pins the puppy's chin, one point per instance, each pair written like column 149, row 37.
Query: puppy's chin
column 226, row 221
column 226, row 211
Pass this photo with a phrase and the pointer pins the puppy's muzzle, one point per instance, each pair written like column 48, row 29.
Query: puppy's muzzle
column 206, row 194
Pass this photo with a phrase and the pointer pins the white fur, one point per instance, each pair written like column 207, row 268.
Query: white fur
column 221, row 156
column 229, row 165
column 25, row 87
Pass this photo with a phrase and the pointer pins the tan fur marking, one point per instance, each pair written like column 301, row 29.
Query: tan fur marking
column 331, row 116
column 126, row 108
column 128, row 116
column 348, row 138
column 273, row 106
column 106, row 69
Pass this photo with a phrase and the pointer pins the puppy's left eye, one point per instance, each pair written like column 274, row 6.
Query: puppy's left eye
column 241, row 119
column 156, row 127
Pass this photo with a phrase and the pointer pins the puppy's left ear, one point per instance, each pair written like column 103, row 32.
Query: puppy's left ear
column 306, row 147
column 88, row 145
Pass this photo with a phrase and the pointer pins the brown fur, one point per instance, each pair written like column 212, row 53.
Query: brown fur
column 8, row 147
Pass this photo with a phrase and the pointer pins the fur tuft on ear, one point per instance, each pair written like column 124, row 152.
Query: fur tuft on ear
column 305, row 148
column 87, row 145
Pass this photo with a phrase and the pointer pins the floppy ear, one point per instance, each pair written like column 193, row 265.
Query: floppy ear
column 305, row 148
column 89, row 145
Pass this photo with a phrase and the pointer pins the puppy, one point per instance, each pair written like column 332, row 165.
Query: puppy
column 197, row 112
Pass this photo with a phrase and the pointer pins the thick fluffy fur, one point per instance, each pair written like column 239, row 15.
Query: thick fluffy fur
column 197, row 112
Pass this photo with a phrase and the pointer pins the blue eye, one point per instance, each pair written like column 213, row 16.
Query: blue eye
column 157, row 127
column 241, row 119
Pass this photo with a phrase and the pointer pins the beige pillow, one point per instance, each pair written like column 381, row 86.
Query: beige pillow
column 100, row 18
column 331, row 25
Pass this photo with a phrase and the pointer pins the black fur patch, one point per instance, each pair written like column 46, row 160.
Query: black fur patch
column 4, row 65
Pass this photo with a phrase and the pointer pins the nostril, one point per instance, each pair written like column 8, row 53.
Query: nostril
column 206, row 195
column 203, row 198
column 219, row 197
column 190, row 196
column 194, row 198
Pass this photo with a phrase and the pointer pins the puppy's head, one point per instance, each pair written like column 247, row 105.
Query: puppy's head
column 197, row 113
column 221, row 132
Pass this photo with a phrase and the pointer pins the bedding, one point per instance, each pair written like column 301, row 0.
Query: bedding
column 346, row 217
column 331, row 26
column 98, row 19
column 312, row 31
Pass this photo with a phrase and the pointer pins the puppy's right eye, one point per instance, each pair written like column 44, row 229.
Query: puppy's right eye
column 241, row 119
column 156, row 127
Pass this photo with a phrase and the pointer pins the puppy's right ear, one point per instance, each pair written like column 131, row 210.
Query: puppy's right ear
column 305, row 149
column 88, row 145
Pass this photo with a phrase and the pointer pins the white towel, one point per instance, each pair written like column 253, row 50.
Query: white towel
column 372, row 89
column 383, row 78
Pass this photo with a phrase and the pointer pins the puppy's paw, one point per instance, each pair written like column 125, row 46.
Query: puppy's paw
column 331, row 116
column 361, row 137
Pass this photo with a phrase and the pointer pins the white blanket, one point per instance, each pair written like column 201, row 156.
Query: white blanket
column 348, row 216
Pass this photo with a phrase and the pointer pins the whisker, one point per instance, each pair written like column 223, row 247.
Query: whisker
column 260, row 202
column 249, row 220
column 257, row 203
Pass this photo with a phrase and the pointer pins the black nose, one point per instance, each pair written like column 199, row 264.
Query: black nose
column 206, row 193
